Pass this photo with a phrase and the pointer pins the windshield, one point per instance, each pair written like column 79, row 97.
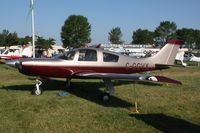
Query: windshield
column 66, row 56
column 1, row 51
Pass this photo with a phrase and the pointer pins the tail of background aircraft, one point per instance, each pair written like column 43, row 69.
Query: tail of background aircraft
column 167, row 54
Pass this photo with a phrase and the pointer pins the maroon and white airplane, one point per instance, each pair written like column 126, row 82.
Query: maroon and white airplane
column 101, row 64
column 17, row 52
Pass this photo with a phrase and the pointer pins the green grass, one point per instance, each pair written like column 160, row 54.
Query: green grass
column 163, row 108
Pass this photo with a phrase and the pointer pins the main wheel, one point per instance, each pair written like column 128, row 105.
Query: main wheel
column 105, row 97
column 36, row 92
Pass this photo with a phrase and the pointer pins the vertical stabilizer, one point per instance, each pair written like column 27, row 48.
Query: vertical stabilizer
column 167, row 54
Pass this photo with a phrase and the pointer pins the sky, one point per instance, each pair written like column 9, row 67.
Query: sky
column 103, row 15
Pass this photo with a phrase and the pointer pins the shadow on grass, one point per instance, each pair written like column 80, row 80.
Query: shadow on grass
column 18, row 87
column 91, row 92
column 86, row 90
column 168, row 124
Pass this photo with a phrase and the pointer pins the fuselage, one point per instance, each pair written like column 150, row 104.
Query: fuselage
column 12, row 54
column 85, row 60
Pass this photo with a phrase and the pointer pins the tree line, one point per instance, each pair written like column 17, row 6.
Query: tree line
column 76, row 31
column 165, row 31
column 8, row 39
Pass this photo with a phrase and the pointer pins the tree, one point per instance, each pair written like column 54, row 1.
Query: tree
column 142, row 37
column 187, row 36
column 190, row 37
column 197, row 38
column 75, row 31
column 115, row 36
column 166, row 30
column 44, row 43
column 8, row 39
column 25, row 40
column 3, row 37
column 12, row 39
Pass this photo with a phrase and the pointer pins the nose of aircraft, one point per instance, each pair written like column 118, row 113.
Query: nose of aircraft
column 13, row 63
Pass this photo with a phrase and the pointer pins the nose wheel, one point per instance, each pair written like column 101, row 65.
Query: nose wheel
column 37, row 90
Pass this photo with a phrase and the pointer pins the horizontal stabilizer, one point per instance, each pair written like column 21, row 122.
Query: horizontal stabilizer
column 167, row 80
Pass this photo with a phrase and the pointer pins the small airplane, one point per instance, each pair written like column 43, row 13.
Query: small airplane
column 180, row 56
column 17, row 52
column 192, row 57
column 183, row 56
column 97, row 63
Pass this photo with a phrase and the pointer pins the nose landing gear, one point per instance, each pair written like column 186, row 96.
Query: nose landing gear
column 37, row 90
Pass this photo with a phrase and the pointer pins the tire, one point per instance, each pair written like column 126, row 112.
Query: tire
column 105, row 97
column 35, row 92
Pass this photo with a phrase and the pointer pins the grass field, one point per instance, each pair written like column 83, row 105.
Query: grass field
column 163, row 108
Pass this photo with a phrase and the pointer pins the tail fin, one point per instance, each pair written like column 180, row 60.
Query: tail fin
column 167, row 54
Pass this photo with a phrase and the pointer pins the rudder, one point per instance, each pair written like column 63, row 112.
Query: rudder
column 168, row 53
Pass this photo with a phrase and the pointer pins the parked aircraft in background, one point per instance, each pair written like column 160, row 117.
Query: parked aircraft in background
column 17, row 52
column 138, row 52
column 141, row 52
column 192, row 57
column 25, row 51
column 183, row 55
column 180, row 56
column 100, row 64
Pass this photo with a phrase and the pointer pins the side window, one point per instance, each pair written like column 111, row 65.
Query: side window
column 68, row 55
column 110, row 57
column 87, row 55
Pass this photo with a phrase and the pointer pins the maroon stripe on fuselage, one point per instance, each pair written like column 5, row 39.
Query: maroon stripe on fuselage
column 67, row 72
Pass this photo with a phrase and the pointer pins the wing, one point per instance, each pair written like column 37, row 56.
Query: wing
column 129, row 76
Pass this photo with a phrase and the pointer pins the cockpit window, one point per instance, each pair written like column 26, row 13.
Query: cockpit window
column 110, row 57
column 87, row 55
column 68, row 55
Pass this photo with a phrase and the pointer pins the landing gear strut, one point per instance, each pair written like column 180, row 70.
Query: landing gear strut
column 108, row 91
column 68, row 82
column 37, row 90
